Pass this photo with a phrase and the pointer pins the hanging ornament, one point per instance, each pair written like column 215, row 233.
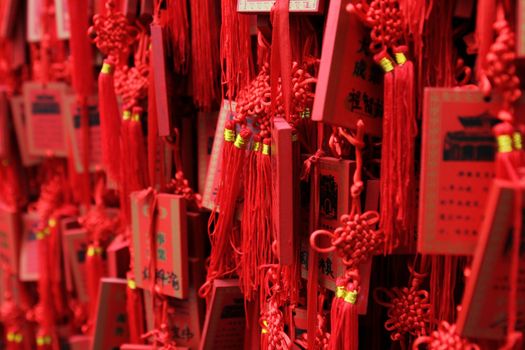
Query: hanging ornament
column 398, row 206
column 408, row 308
column 445, row 337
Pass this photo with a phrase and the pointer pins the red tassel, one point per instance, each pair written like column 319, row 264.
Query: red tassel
column 109, row 120
column 179, row 29
column 204, row 53
column 506, row 157
column 344, row 329
column 80, row 47
column 405, row 127
column 95, row 271
column 135, row 310
column 257, row 228
column 136, row 170
column 388, row 148
column 223, row 235
column 236, row 51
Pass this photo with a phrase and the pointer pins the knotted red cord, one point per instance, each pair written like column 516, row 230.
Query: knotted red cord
column 445, row 337
column 408, row 308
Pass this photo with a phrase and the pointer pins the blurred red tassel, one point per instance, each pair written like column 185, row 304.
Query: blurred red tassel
column 109, row 120
column 224, row 234
column 95, row 271
column 135, row 309
column 344, row 329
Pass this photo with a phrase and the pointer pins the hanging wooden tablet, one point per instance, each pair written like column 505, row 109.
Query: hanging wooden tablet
column 264, row 6
column 8, row 12
column 198, row 242
column 80, row 342
column 171, row 273
column 18, row 113
column 111, row 322
column 457, row 168
column 34, row 20
column 62, row 19
column 520, row 29
column 10, row 225
column 161, row 78
column 213, row 174
column 45, row 127
column 484, row 309
column 67, row 224
column 206, row 123
column 334, row 201
column 282, row 190
column 29, row 256
column 118, row 257
column 225, row 318
column 75, row 245
column 76, row 140
column 350, row 84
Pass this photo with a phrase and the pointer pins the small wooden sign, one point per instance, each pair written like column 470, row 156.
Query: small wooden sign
column 34, row 20
column 350, row 83
column 8, row 12
column 457, row 168
column 206, row 124
column 80, row 342
column 282, row 191
column 171, row 243
column 111, row 322
column 161, row 81
column 73, row 124
column 520, row 29
column 18, row 112
column 213, row 176
column 484, row 308
column 45, row 128
column 118, row 257
column 224, row 327
column 75, row 248
column 29, row 252
column 265, row 6
column 62, row 19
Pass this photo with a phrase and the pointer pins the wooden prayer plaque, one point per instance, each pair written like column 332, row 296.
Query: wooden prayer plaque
column 485, row 302
column 282, row 192
column 264, row 6
column 45, row 127
column 350, row 83
column 111, row 322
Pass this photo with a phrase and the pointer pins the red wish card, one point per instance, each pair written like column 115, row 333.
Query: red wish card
column 17, row 110
column 111, row 322
column 76, row 140
column 7, row 17
column 45, row 127
column 80, row 342
column 9, row 237
column 206, row 124
column 213, row 176
column 520, row 29
column 171, row 243
column 118, row 257
column 29, row 253
column 224, row 327
column 34, row 20
column 485, row 302
column 260, row 6
column 350, row 83
column 282, row 193
column 161, row 77
column 457, row 168
column 75, row 248
column 62, row 19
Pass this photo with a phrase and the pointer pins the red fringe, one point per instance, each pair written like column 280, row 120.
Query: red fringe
column 204, row 53
column 235, row 51
column 153, row 139
column 344, row 317
column 223, row 235
column 109, row 121
column 135, row 310
column 179, row 29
